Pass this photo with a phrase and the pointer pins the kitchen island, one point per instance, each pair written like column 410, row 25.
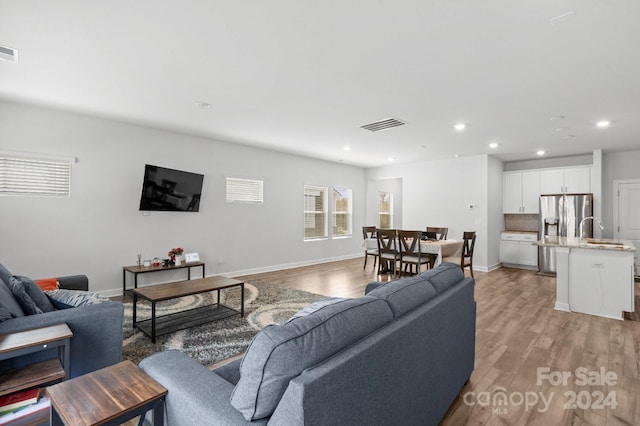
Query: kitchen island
column 594, row 276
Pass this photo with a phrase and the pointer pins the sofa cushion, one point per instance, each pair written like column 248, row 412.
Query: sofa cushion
column 405, row 294
column 5, row 313
column 315, row 306
column 20, row 292
column 279, row 353
column 65, row 299
column 443, row 277
column 5, row 275
column 36, row 294
column 8, row 299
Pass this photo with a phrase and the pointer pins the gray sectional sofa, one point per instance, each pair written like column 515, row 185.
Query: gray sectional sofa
column 97, row 329
column 398, row 355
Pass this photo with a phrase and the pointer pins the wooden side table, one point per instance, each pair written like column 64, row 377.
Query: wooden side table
column 30, row 341
column 110, row 396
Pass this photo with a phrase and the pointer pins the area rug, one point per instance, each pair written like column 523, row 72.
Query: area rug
column 265, row 303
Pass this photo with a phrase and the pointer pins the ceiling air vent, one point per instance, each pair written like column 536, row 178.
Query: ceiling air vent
column 9, row 54
column 383, row 124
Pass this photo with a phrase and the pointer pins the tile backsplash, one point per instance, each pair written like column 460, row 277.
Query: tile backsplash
column 521, row 222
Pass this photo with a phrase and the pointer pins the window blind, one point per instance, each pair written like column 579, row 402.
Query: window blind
column 245, row 190
column 22, row 175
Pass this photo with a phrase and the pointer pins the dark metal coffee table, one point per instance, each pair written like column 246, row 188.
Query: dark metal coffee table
column 159, row 325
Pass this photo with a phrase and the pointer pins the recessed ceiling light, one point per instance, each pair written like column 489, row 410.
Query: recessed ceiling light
column 347, row 148
column 456, row 155
column 493, row 145
column 556, row 117
column 421, row 146
column 560, row 129
column 602, row 124
column 540, row 152
column 203, row 105
column 568, row 136
column 390, row 159
column 460, row 126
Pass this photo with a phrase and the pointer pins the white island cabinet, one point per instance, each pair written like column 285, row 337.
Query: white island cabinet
column 594, row 276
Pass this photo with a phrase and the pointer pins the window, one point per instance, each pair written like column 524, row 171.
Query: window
column 26, row 175
column 315, row 212
column 385, row 210
column 244, row 190
column 342, row 212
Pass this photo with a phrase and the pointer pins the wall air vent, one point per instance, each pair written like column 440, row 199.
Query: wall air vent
column 383, row 124
column 9, row 54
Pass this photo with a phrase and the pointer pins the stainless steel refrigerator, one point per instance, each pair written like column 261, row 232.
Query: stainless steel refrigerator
column 560, row 215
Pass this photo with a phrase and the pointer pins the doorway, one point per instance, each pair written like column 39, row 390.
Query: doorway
column 626, row 220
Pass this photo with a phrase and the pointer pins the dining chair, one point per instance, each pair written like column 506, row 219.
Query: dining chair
column 410, row 252
column 436, row 233
column 440, row 233
column 369, row 232
column 466, row 254
column 388, row 253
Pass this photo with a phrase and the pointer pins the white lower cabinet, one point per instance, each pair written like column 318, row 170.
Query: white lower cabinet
column 517, row 249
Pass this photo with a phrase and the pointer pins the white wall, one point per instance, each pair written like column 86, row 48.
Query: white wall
column 438, row 193
column 99, row 228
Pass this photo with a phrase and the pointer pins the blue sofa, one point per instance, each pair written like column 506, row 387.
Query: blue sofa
column 97, row 329
column 398, row 355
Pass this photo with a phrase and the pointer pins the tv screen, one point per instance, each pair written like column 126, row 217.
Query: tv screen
column 170, row 190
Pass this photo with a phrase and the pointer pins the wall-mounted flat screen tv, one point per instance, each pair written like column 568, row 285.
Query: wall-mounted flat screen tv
column 170, row 190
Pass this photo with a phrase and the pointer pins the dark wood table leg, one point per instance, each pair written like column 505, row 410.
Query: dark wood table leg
column 242, row 300
column 153, row 322
column 135, row 308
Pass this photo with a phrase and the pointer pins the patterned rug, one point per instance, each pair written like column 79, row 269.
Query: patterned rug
column 265, row 304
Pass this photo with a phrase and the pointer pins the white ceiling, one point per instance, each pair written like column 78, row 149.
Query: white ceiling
column 302, row 77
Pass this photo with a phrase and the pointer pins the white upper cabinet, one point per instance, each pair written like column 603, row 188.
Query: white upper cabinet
column 521, row 192
column 573, row 180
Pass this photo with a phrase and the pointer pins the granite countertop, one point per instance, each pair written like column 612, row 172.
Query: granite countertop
column 506, row 231
column 587, row 243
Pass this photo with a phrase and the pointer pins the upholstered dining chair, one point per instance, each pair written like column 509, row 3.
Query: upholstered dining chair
column 388, row 252
column 369, row 233
column 410, row 252
column 466, row 254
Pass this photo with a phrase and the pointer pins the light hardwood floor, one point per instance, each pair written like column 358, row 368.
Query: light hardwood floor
column 518, row 332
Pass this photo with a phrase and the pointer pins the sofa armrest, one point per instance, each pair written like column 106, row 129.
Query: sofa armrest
column 197, row 395
column 74, row 282
column 96, row 342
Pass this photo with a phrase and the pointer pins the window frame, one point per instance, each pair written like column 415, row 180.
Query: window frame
column 244, row 190
column 348, row 213
column 389, row 213
column 324, row 212
column 34, row 175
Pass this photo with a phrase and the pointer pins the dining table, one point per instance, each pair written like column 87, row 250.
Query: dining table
column 441, row 248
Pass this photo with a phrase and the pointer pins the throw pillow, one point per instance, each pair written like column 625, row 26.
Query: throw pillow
column 47, row 284
column 65, row 299
column 5, row 313
column 9, row 300
column 20, row 293
column 279, row 353
column 36, row 294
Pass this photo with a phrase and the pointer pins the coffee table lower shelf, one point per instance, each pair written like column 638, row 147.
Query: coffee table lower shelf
column 166, row 324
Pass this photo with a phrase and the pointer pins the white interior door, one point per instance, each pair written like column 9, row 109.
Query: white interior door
column 626, row 216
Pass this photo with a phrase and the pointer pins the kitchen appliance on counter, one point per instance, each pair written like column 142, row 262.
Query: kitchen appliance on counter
column 560, row 216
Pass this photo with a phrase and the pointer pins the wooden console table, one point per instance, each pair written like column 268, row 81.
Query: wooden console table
column 136, row 270
column 112, row 395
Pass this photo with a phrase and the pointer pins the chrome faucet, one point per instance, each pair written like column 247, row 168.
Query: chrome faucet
column 595, row 219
